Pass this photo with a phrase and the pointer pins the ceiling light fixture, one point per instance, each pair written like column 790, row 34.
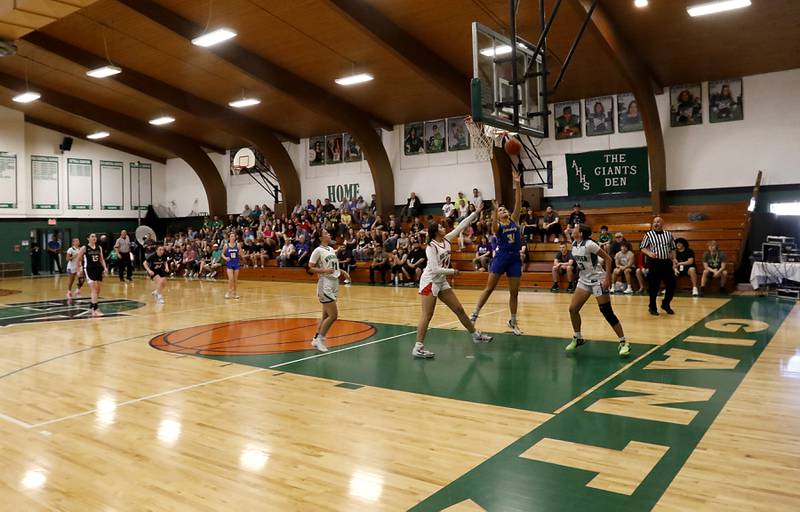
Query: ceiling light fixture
column 715, row 7
column 98, row 135
column 104, row 71
column 244, row 102
column 359, row 78
column 27, row 97
column 159, row 121
column 214, row 37
column 640, row 3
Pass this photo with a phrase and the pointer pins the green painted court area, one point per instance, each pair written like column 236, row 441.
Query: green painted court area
column 534, row 373
column 523, row 372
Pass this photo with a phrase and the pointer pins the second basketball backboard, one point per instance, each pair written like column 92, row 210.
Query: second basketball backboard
column 493, row 98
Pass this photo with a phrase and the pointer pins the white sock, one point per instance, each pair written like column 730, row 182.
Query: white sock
column 476, row 311
column 622, row 339
column 513, row 319
column 578, row 334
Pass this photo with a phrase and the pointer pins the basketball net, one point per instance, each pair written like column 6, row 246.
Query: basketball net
column 483, row 137
column 237, row 169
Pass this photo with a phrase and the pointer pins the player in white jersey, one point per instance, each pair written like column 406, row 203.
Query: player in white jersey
column 74, row 270
column 325, row 264
column 593, row 279
column 433, row 284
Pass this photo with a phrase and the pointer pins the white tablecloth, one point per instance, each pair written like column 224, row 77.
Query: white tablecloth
column 772, row 273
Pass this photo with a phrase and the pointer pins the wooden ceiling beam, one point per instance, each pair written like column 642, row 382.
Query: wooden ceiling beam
column 103, row 142
column 315, row 98
column 641, row 81
column 259, row 135
column 182, row 147
column 404, row 46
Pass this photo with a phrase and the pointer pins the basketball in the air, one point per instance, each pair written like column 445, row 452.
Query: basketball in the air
column 513, row 147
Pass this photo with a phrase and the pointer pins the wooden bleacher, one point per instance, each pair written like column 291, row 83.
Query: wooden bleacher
column 724, row 223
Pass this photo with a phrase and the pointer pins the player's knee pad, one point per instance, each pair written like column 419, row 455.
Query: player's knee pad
column 608, row 313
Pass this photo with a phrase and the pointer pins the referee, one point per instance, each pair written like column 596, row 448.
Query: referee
column 659, row 246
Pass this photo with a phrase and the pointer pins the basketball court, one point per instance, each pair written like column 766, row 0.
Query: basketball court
column 204, row 404
column 215, row 398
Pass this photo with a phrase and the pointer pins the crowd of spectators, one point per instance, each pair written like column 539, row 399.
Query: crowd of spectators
column 393, row 249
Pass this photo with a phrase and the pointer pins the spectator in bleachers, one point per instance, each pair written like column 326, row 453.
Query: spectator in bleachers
column 477, row 198
column 403, row 241
column 530, row 226
column 462, row 205
column 373, row 204
column 418, row 229
column 483, row 254
column 397, row 263
column 604, row 239
column 685, row 264
column 380, row 263
column 303, row 248
column 642, row 269
column 449, row 209
column 417, row 260
column 551, row 225
column 624, row 268
column 616, row 243
column 714, row 266
column 575, row 218
column 412, row 208
column 563, row 263
column 328, row 207
column 288, row 254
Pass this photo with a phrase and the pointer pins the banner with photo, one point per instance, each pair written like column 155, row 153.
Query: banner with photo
column 435, row 136
column 333, row 149
column 611, row 171
column 44, row 183
column 599, row 115
column 725, row 101
column 112, row 185
column 80, row 192
column 457, row 135
column 352, row 149
column 141, row 186
column 412, row 140
column 8, row 180
column 567, row 117
column 629, row 119
column 316, row 150
column 686, row 105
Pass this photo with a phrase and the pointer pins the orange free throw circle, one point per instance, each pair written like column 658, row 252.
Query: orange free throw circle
column 258, row 337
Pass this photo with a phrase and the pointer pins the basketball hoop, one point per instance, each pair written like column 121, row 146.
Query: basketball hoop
column 484, row 138
column 236, row 169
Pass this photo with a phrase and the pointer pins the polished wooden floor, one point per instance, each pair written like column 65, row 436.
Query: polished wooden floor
column 92, row 418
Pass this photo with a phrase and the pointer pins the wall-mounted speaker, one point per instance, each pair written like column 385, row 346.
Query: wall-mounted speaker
column 66, row 144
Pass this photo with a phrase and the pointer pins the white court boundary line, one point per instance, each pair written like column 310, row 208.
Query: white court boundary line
column 221, row 379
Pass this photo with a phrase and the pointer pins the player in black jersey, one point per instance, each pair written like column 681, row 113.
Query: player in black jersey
column 156, row 267
column 94, row 266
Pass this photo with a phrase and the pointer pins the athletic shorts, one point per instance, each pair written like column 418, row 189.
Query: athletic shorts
column 71, row 268
column 508, row 264
column 685, row 271
column 231, row 265
column 327, row 289
column 158, row 273
column 593, row 287
column 94, row 274
column 429, row 287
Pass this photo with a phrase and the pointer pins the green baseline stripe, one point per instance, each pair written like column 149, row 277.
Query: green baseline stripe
column 509, row 482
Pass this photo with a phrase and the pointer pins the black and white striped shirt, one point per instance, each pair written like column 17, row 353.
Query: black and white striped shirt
column 660, row 242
